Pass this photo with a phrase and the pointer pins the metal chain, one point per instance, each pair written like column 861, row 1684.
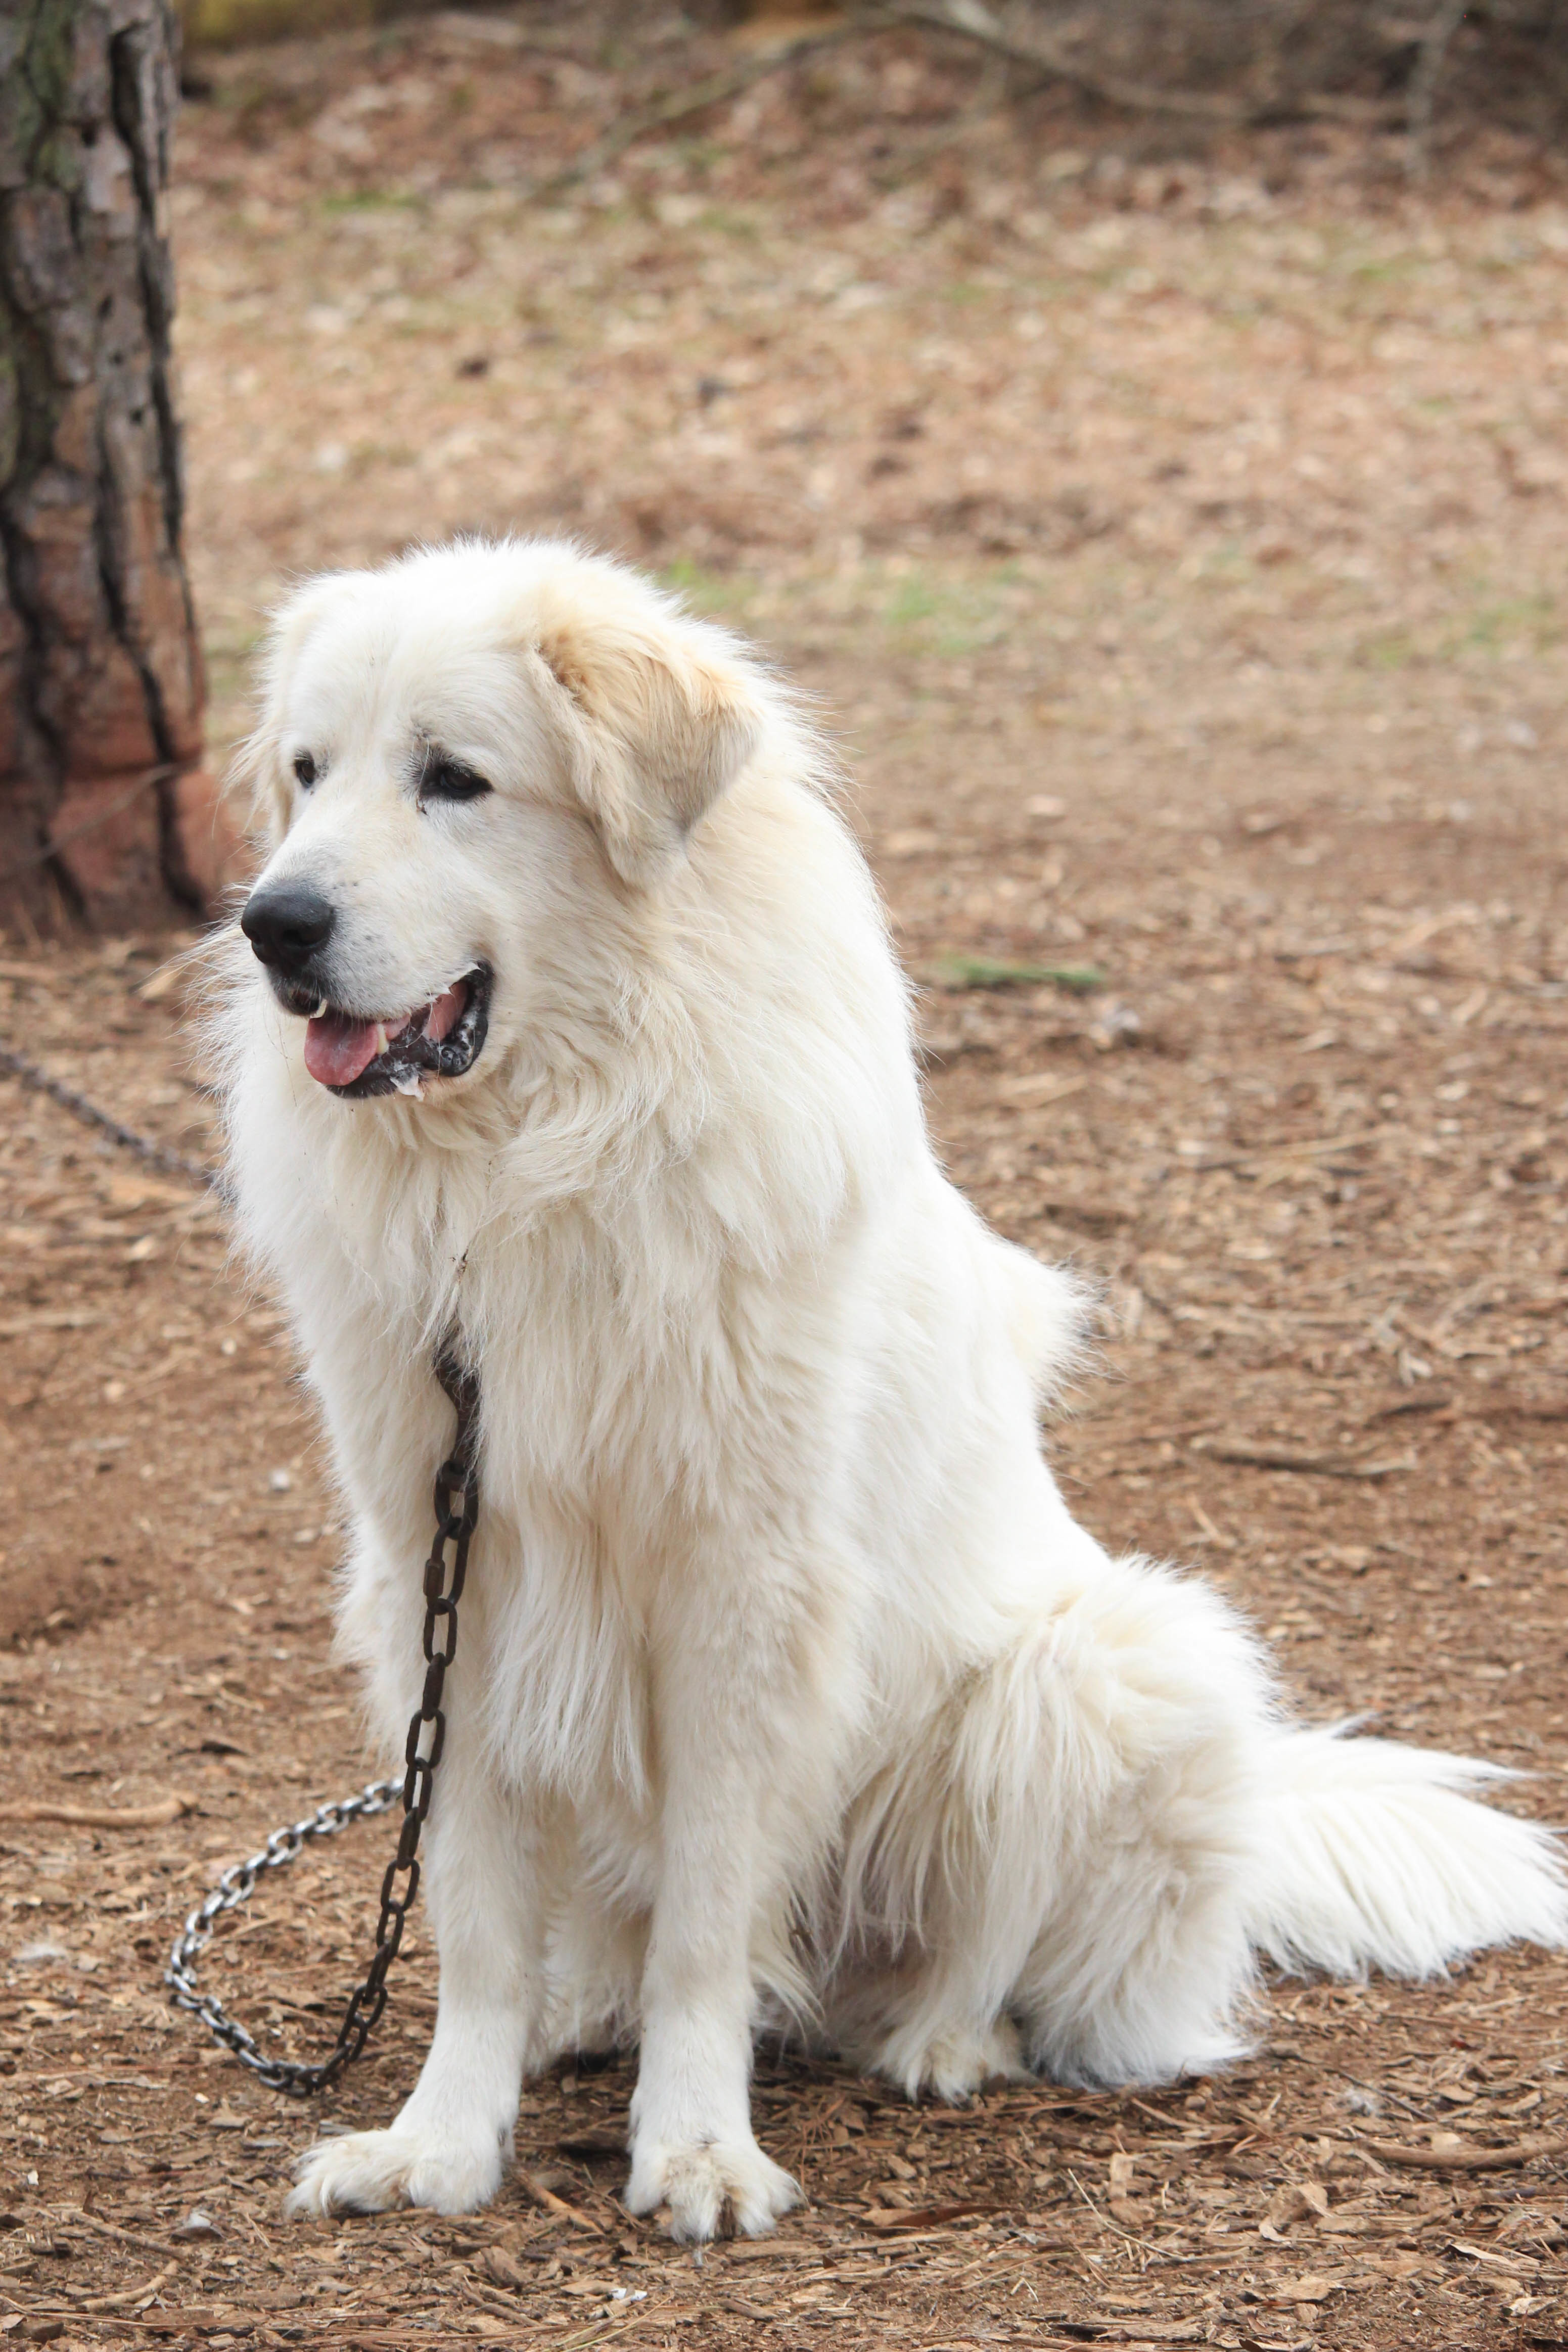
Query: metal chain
column 157, row 1155
column 234, row 1888
column 456, row 1513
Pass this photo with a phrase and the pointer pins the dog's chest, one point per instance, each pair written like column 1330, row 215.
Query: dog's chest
column 635, row 1395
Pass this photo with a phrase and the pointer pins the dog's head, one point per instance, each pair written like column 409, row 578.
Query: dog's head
column 459, row 753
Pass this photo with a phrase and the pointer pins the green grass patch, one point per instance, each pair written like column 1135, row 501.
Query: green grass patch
column 728, row 220
column 914, row 600
column 1497, row 622
column 225, row 24
column 1391, row 650
column 726, row 593
column 951, row 617
column 985, row 972
column 370, row 200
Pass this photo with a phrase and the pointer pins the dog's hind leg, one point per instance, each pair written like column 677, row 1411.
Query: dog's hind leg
column 1068, row 1845
column 1144, row 1970
column 448, row 2144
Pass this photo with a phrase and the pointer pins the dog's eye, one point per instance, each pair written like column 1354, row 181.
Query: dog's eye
column 448, row 780
column 305, row 767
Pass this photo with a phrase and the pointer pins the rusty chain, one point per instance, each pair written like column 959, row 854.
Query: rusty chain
column 456, row 1498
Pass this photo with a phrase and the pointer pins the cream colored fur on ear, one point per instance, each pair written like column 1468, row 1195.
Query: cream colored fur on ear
column 656, row 713
column 256, row 769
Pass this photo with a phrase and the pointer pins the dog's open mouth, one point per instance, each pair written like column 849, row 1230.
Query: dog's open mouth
column 356, row 1057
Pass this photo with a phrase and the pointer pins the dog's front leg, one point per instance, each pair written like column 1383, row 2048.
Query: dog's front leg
column 692, row 2145
column 448, row 2146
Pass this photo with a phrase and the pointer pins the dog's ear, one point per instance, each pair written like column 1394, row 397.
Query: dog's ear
column 658, row 715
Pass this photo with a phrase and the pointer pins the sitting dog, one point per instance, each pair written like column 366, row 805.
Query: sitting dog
column 788, row 1688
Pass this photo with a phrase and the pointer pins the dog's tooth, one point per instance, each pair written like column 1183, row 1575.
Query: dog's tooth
column 321, row 1011
column 381, row 1036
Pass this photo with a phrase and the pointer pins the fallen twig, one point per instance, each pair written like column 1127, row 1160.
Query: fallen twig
column 63, row 1319
column 1424, row 1401
column 1463, row 2159
column 157, row 1816
column 1040, row 1087
column 71, row 2217
column 102, row 2303
column 1289, row 1457
column 677, row 106
column 894, row 2220
column 971, row 21
column 1321, row 1147
column 553, row 2204
column 965, row 20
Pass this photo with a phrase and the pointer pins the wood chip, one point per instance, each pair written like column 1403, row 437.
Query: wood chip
column 1313, row 2286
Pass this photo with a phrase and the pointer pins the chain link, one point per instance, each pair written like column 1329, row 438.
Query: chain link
column 235, row 1887
column 457, row 1515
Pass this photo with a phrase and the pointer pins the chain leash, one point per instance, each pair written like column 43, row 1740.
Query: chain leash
column 156, row 1155
column 456, row 1514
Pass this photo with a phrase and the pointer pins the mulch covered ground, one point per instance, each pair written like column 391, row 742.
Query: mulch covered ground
column 1173, row 541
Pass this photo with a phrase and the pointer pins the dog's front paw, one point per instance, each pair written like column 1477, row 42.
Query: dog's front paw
column 707, row 2188
column 370, row 2172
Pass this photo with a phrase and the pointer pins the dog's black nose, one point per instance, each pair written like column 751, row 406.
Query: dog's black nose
column 286, row 924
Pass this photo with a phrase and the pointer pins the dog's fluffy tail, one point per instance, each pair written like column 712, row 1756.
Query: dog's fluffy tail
column 1378, row 1856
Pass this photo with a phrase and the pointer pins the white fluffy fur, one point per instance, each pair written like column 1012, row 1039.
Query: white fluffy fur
column 786, row 1683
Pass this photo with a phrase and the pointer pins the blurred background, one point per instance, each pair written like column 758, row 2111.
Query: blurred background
column 1139, row 428
column 1224, row 338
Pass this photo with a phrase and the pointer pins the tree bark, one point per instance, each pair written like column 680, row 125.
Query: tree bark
column 101, row 669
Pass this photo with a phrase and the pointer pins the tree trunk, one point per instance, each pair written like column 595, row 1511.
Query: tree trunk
column 101, row 669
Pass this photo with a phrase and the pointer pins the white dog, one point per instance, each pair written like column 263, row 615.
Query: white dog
column 787, row 1685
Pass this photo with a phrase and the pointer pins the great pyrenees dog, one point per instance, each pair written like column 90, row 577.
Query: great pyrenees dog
column 788, row 1690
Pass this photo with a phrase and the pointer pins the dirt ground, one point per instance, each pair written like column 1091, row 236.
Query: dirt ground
column 1174, row 543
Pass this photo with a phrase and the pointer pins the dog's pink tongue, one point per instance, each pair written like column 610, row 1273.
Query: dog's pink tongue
column 338, row 1048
